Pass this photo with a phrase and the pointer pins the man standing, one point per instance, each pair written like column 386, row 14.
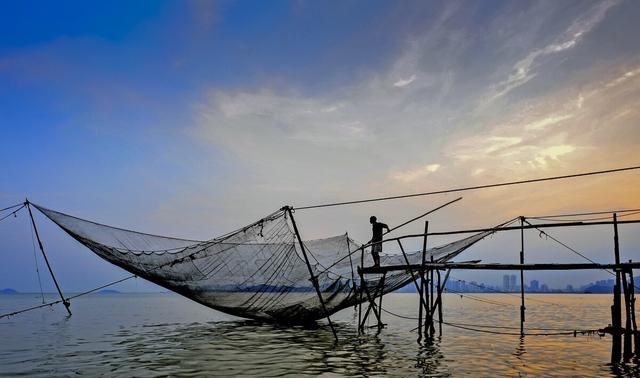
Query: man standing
column 376, row 247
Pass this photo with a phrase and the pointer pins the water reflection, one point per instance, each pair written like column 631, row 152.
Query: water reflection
column 257, row 349
column 430, row 360
column 143, row 336
column 249, row 348
column 520, row 349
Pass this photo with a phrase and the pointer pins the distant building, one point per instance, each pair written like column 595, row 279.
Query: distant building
column 512, row 283
column 544, row 288
column 569, row 288
column 535, row 286
column 505, row 283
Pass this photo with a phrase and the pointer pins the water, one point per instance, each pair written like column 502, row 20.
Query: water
column 148, row 335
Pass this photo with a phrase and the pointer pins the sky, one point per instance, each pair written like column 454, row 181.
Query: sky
column 193, row 118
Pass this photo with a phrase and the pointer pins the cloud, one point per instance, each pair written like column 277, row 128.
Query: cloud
column 369, row 138
column 524, row 70
column 404, row 82
column 412, row 175
column 550, row 120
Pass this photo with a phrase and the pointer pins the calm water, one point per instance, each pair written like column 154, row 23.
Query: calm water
column 164, row 334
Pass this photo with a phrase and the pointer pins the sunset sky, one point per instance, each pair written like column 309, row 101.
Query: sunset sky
column 193, row 118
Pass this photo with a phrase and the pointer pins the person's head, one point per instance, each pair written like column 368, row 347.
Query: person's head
column 373, row 220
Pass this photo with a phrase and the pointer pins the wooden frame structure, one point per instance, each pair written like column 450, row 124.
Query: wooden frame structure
column 625, row 339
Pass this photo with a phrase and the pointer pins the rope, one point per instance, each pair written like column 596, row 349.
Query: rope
column 583, row 214
column 512, row 327
column 472, row 297
column 35, row 260
column 502, row 292
column 508, row 183
column 564, row 333
column 12, row 213
column 67, row 299
column 572, row 250
column 474, row 327
column 399, row 316
column 556, row 219
column 11, row 207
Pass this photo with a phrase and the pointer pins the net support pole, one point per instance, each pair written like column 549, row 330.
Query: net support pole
column 616, row 321
column 636, row 335
column 46, row 260
column 360, row 290
column 381, row 290
column 438, row 304
column 628, row 351
column 522, row 307
column 432, row 298
column 421, row 288
column 314, row 279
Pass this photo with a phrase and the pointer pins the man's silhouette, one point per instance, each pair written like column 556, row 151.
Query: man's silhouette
column 376, row 239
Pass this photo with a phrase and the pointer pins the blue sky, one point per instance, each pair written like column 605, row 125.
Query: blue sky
column 191, row 118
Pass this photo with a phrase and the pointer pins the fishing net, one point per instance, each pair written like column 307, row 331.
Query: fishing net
column 257, row 271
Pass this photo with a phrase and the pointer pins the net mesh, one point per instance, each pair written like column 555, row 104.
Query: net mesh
column 255, row 272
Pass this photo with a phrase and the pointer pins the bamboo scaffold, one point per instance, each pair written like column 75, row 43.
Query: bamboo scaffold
column 625, row 339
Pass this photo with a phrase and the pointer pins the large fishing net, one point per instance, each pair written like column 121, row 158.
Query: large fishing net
column 257, row 271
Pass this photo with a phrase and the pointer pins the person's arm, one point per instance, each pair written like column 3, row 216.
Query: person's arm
column 385, row 226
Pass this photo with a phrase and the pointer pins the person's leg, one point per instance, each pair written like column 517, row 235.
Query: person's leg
column 375, row 252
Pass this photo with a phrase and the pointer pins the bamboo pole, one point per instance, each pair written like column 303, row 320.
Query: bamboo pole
column 522, row 308
column 421, row 306
column 46, row 260
column 439, row 305
column 498, row 266
column 381, row 288
column 372, row 302
column 432, row 329
column 636, row 335
column 627, row 350
column 616, row 322
column 314, row 279
column 361, row 290
column 411, row 273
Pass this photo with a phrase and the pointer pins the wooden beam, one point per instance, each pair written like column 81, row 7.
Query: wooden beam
column 497, row 266
column 512, row 228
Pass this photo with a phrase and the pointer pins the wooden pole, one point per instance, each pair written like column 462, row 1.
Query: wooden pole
column 628, row 352
column 314, row 279
column 46, row 260
column 522, row 308
column 353, row 275
column 371, row 299
column 421, row 306
column 616, row 321
column 636, row 335
column 431, row 315
column 439, row 305
column 411, row 273
column 361, row 290
column 381, row 288
column 441, row 289
column 425, row 282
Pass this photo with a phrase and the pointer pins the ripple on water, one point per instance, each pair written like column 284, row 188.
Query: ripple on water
column 186, row 340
